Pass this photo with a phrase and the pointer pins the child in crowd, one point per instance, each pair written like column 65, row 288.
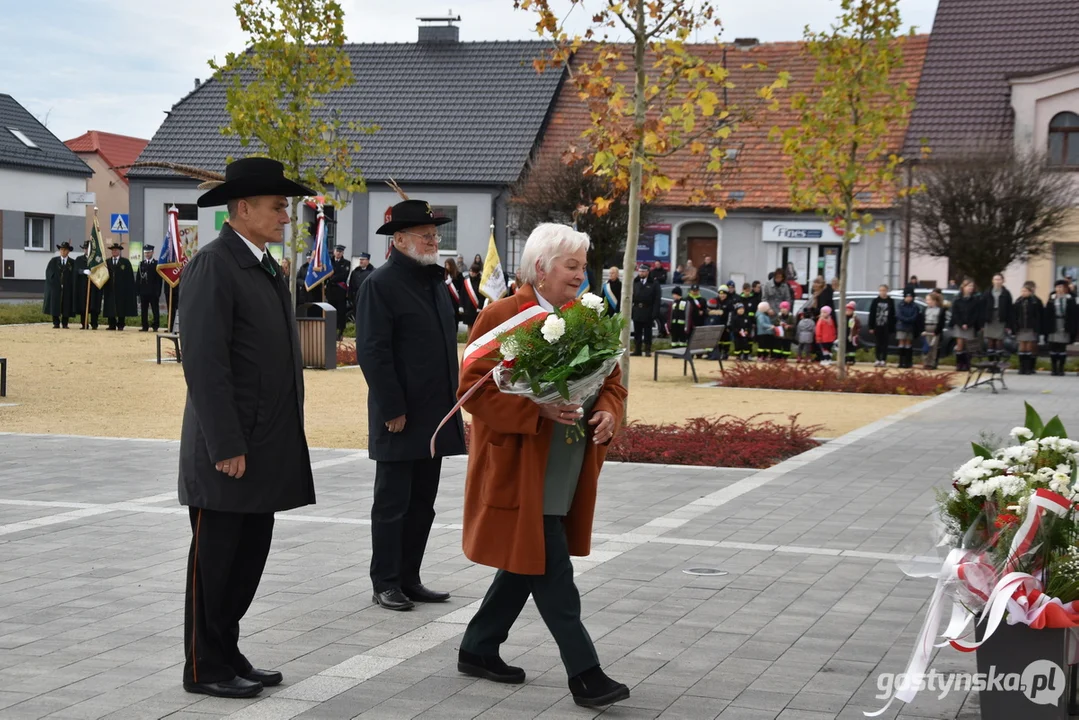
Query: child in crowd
column 766, row 332
column 786, row 322
column 1027, row 315
column 676, row 320
column 854, row 329
column 741, row 332
column 933, row 329
column 807, row 336
column 826, row 335
column 882, row 322
column 907, row 320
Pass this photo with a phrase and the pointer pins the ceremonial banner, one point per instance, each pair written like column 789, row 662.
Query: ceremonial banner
column 95, row 258
column 493, row 280
column 172, row 258
column 321, row 267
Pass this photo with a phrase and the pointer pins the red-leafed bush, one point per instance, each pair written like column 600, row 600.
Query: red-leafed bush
column 346, row 354
column 790, row 376
column 725, row 441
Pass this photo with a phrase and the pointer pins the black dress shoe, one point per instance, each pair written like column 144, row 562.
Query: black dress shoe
column 237, row 687
column 419, row 593
column 145, row 330
column 268, row 678
column 489, row 668
column 593, row 688
column 393, row 599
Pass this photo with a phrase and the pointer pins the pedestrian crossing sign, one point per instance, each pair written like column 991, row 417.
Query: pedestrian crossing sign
column 119, row 223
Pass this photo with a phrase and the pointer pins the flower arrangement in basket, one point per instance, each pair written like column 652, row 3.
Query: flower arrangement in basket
column 564, row 358
column 1010, row 530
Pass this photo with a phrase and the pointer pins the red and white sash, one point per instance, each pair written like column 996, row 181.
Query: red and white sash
column 472, row 294
column 453, row 292
column 481, row 347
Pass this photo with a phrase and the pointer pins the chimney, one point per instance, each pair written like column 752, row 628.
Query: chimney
column 746, row 43
column 442, row 33
column 197, row 83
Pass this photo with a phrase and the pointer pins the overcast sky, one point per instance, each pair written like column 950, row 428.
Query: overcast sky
column 117, row 65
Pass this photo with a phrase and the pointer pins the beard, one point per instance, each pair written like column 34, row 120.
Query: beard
column 421, row 258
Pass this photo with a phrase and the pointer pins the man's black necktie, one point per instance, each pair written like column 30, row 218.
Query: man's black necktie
column 267, row 265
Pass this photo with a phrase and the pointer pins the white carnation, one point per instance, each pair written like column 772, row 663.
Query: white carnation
column 593, row 302
column 554, row 328
column 1021, row 433
column 509, row 349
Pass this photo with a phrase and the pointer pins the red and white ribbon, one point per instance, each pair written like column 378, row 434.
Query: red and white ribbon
column 480, row 348
column 472, row 293
column 453, row 292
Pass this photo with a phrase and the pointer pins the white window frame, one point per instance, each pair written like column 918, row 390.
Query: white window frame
column 46, row 235
column 449, row 252
column 21, row 136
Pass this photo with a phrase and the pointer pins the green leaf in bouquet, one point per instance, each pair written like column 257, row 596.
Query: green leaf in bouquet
column 533, row 383
column 582, row 357
column 981, row 451
column 563, row 389
column 1053, row 428
column 1034, row 421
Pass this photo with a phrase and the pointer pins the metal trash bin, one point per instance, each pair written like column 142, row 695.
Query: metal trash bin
column 318, row 336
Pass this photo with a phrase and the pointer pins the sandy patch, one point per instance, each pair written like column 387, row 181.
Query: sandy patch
column 107, row 383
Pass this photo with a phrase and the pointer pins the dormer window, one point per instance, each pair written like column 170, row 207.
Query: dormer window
column 1064, row 140
column 22, row 138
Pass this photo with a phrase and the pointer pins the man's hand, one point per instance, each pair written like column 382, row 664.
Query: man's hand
column 562, row 414
column 396, row 425
column 604, row 423
column 233, row 467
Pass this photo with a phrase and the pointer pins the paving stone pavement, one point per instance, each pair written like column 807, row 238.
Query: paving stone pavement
column 93, row 548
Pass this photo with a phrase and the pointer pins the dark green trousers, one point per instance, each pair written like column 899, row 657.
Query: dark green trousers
column 556, row 597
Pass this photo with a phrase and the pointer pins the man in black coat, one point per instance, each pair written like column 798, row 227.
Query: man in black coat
column 406, row 345
column 60, row 287
column 646, row 303
column 118, row 295
column 337, row 288
column 706, row 273
column 612, row 292
column 362, row 271
column 148, row 285
column 82, row 277
column 243, row 452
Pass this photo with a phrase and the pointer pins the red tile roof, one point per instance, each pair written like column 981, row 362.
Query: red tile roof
column 113, row 149
column 758, row 169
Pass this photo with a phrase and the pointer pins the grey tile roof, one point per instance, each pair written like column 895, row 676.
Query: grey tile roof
column 448, row 113
column 976, row 45
column 50, row 155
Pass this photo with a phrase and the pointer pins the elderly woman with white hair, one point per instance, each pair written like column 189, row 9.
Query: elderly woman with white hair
column 530, row 492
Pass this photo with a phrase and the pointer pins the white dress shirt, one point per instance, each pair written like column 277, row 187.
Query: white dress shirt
column 254, row 248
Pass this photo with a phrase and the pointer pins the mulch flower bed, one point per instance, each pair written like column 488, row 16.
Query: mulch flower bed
column 820, row 378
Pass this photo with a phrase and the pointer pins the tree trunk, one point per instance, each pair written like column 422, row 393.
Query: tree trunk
column 633, row 225
column 294, row 267
column 841, row 310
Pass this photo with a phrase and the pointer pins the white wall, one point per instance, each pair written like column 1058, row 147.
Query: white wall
column 41, row 194
column 473, row 221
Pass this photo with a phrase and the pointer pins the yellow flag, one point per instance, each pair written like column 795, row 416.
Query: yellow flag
column 493, row 280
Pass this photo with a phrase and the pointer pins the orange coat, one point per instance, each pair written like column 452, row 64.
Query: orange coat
column 507, row 460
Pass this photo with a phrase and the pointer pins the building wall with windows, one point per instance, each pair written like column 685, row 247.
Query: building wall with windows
column 35, row 217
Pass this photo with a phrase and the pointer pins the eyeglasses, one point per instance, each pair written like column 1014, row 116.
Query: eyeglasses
column 436, row 238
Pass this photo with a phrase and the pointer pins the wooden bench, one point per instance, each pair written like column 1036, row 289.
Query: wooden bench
column 988, row 371
column 3, row 377
column 703, row 341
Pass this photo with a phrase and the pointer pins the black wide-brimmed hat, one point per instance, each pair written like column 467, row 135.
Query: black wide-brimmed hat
column 65, row 245
column 408, row 214
column 116, row 246
column 250, row 177
column 85, row 245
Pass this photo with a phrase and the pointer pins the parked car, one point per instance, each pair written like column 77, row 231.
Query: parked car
column 863, row 299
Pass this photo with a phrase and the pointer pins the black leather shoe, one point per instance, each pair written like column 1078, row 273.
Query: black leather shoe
column 393, row 599
column 419, row 593
column 593, row 688
column 268, row 678
column 237, row 687
column 489, row 668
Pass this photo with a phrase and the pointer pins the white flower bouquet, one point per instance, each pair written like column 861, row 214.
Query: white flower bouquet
column 563, row 359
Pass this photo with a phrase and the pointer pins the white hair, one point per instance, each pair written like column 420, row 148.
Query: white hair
column 547, row 243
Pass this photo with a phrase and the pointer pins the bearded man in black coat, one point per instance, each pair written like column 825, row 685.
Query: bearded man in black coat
column 406, row 345
column 243, row 452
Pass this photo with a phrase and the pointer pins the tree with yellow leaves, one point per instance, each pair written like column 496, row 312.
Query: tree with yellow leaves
column 648, row 99
column 842, row 145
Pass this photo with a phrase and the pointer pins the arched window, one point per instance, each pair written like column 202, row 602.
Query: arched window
column 1064, row 140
